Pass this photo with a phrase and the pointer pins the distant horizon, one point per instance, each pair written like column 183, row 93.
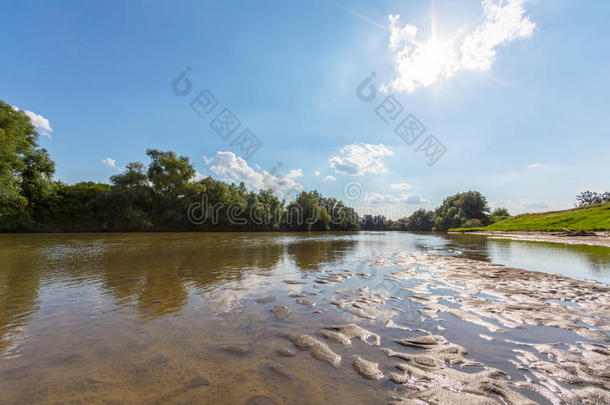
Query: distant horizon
column 403, row 104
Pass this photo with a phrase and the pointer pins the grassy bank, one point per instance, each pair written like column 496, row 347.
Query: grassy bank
column 592, row 218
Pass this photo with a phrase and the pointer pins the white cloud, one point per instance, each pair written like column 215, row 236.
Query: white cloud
column 359, row 159
column 403, row 198
column 329, row 178
column 294, row 173
column 41, row 123
column 198, row 176
column 421, row 64
column 398, row 34
column 229, row 167
column 504, row 22
column 401, row 186
column 316, row 173
column 110, row 163
column 536, row 165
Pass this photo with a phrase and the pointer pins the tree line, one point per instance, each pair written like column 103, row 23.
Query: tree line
column 159, row 196
column 462, row 210
column 162, row 196
column 587, row 198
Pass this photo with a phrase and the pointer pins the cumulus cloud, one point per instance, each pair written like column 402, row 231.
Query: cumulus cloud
column 504, row 22
column 401, row 186
column 229, row 167
column 403, row 198
column 359, row 159
column 41, row 123
column 329, row 178
column 110, row 163
column 421, row 64
column 316, row 173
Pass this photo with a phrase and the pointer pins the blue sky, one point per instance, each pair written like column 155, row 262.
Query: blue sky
column 516, row 92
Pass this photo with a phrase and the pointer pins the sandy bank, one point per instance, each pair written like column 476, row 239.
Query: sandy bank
column 600, row 239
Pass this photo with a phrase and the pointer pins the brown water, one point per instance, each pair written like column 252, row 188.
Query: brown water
column 142, row 318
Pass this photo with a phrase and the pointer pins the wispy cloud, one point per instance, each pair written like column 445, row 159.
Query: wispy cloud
column 294, row 173
column 403, row 198
column 535, row 205
column 421, row 64
column 360, row 158
column 329, row 178
column 536, row 166
column 401, row 186
column 316, row 173
column 229, row 167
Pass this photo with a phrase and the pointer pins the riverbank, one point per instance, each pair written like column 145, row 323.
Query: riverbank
column 595, row 218
column 597, row 239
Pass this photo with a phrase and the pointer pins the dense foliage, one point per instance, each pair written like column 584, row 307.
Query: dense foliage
column 25, row 169
column 462, row 210
column 163, row 195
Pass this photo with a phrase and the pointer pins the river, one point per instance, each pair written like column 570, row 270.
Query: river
column 174, row 317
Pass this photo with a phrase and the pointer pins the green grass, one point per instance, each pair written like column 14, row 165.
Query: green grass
column 592, row 218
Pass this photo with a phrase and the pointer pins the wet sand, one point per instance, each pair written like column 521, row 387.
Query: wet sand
column 431, row 368
column 501, row 299
column 600, row 238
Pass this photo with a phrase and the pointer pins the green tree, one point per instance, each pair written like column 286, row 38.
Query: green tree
column 265, row 210
column 132, row 198
column 590, row 198
column 133, row 177
column 420, row 220
column 25, row 170
column 500, row 212
column 342, row 217
column 169, row 176
column 375, row 223
column 307, row 213
column 78, row 207
column 459, row 208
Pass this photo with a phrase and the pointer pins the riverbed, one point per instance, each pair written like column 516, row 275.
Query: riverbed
column 338, row 318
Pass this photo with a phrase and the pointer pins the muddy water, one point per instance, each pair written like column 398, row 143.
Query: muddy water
column 301, row 318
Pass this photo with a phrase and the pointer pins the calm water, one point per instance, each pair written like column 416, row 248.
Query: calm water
column 141, row 318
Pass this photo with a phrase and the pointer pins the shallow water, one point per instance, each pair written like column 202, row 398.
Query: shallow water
column 143, row 318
